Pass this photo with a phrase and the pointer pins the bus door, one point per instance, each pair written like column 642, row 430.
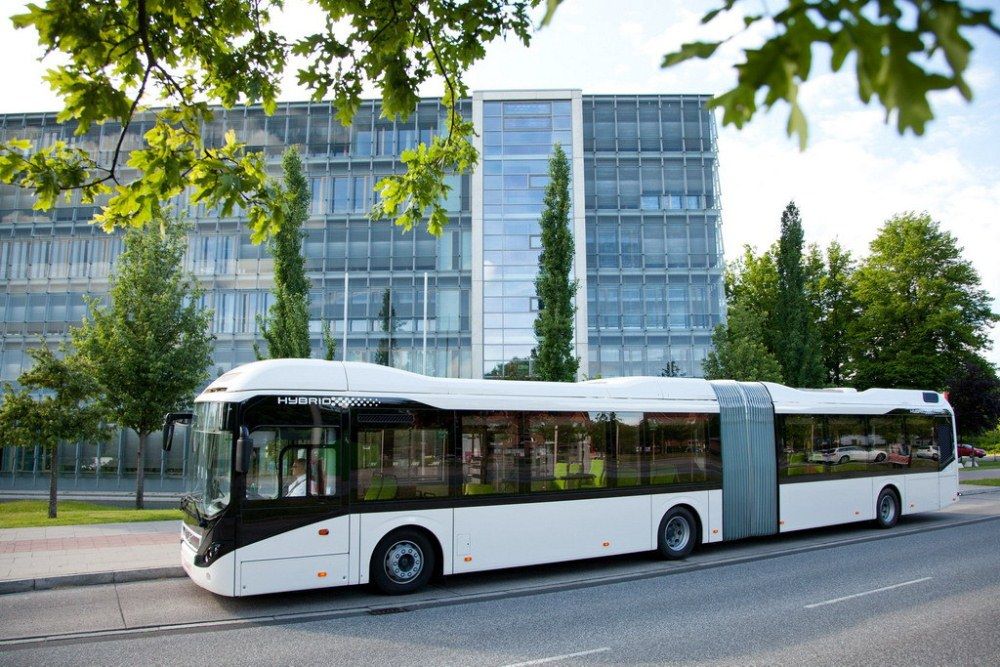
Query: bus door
column 294, row 531
column 749, row 465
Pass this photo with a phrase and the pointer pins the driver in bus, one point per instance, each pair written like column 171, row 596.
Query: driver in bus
column 298, row 486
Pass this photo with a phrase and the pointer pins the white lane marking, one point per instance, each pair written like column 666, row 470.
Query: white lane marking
column 858, row 595
column 555, row 658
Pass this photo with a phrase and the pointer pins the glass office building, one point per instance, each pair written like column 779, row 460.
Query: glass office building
column 645, row 216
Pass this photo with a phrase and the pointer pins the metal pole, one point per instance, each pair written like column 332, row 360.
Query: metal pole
column 344, row 355
column 425, row 325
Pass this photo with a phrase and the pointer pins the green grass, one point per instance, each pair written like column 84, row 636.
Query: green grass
column 984, row 464
column 991, row 481
column 32, row 513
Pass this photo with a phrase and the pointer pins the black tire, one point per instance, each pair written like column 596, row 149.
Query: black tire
column 879, row 458
column 887, row 509
column 403, row 562
column 678, row 534
column 844, row 459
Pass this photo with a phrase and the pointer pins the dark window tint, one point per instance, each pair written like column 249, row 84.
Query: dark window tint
column 846, row 444
column 945, row 439
column 678, row 448
column 923, row 446
column 803, row 446
column 890, row 452
column 626, row 467
column 491, row 453
column 401, row 455
column 567, row 451
column 291, row 411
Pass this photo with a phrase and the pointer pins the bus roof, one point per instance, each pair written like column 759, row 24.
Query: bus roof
column 313, row 376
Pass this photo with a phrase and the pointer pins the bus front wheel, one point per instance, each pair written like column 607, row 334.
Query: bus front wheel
column 678, row 534
column 403, row 562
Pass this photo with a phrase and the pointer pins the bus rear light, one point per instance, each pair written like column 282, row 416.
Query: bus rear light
column 324, row 531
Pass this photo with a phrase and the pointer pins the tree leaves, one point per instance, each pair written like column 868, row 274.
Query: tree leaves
column 893, row 43
column 124, row 58
column 555, row 359
column 150, row 349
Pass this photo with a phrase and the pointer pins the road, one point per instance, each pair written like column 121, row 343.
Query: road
column 926, row 593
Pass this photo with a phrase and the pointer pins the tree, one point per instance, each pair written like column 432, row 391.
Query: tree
column 150, row 349
column 55, row 404
column 922, row 311
column 837, row 310
column 286, row 327
column 556, row 360
column 740, row 346
column 389, row 324
column 974, row 394
column 739, row 352
column 120, row 59
column 793, row 333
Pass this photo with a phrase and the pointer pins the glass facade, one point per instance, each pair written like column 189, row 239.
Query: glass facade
column 518, row 137
column 645, row 214
column 654, row 246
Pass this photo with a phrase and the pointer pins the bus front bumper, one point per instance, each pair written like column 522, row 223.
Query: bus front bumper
column 219, row 577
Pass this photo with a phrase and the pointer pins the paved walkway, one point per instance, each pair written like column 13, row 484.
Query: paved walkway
column 40, row 553
column 121, row 551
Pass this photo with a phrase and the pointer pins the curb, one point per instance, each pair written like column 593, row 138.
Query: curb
column 89, row 579
column 451, row 598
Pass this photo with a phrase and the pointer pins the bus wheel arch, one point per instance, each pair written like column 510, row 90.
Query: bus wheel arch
column 413, row 552
column 679, row 532
column 888, row 506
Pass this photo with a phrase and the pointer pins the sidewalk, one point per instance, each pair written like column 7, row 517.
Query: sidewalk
column 46, row 557
column 41, row 558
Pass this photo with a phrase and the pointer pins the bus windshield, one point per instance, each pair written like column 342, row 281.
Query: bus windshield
column 207, row 482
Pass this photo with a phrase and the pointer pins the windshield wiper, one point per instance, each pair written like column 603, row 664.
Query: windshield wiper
column 190, row 501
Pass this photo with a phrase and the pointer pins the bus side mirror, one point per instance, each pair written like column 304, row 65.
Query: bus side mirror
column 244, row 448
column 169, row 420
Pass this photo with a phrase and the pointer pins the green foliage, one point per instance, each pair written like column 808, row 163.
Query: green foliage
column 836, row 312
column 119, row 59
column 922, row 310
column 974, row 394
column 739, row 352
column 286, row 327
column 901, row 50
column 55, row 403
column 555, row 358
column 793, row 337
column 149, row 350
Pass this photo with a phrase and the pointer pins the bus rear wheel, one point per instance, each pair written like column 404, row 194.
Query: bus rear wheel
column 678, row 534
column 887, row 508
column 402, row 563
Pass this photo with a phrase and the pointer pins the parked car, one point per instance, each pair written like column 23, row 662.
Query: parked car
column 969, row 450
column 927, row 452
column 848, row 453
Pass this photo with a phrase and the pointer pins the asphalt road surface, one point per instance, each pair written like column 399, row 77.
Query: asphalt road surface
column 921, row 597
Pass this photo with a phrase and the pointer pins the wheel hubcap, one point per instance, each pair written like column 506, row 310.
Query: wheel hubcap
column 677, row 533
column 888, row 509
column 403, row 562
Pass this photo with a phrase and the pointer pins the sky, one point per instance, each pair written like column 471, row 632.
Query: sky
column 856, row 172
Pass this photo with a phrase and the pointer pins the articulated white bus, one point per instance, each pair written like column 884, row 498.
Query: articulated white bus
column 308, row 474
